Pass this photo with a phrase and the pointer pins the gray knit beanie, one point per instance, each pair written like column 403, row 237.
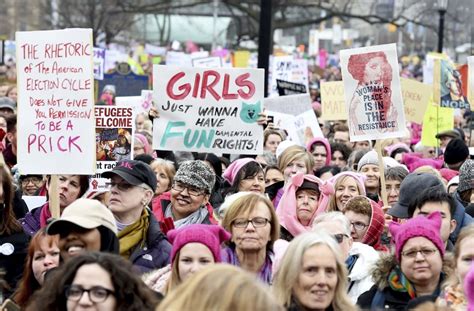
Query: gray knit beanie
column 370, row 157
column 197, row 174
column 466, row 176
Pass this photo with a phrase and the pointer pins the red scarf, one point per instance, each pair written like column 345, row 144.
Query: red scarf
column 45, row 215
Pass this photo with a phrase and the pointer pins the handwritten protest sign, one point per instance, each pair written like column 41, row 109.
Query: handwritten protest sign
column 416, row 96
column 372, row 91
column 99, row 63
column 55, row 103
column 291, row 104
column 451, row 87
column 208, row 110
column 470, row 83
column 333, row 102
column 288, row 69
column 207, row 62
column 290, row 88
column 436, row 120
column 302, row 126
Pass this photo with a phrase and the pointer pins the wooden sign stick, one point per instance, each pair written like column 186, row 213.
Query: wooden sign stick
column 54, row 196
column 383, row 190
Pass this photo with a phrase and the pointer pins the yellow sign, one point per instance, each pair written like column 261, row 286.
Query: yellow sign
column 416, row 96
column 470, row 82
column 333, row 101
column 437, row 119
column 241, row 59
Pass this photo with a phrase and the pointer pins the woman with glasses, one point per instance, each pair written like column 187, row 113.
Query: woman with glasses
column 414, row 271
column 188, row 201
column 254, row 226
column 367, row 221
column 94, row 281
column 312, row 275
column 132, row 186
column 304, row 197
column 244, row 174
column 31, row 184
column 359, row 258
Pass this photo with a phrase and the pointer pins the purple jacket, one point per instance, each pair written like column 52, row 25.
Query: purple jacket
column 31, row 222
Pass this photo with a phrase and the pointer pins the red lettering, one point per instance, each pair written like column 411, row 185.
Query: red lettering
column 243, row 82
column 225, row 89
column 59, row 145
column 186, row 88
column 197, row 79
column 209, row 86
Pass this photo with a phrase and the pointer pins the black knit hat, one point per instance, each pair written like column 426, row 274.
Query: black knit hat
column 456, row 151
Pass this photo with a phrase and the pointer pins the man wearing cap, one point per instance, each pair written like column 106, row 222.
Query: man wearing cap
column 188, row 201
column 445, row 137
column 85, row 226
column 133, row 184
column 7, row 106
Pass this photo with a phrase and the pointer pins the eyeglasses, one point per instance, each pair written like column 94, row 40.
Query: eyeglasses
column 425, row 252
column 33, row 180
column 122, row 186
column 359, row 226
column 96, row 294
column 191, row 191
column 257, row 222
column 340, row 237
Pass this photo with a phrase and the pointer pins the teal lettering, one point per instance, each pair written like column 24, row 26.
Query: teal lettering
column 168, row 131
column 206, row 141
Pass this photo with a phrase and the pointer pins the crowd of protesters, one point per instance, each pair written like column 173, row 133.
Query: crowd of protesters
column 295, row 228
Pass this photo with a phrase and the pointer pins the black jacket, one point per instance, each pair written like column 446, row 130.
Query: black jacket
column 12, row 264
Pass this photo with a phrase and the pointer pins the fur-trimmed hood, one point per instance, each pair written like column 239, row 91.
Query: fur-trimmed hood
column 387, row 262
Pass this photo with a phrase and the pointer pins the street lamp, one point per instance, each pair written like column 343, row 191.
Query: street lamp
column 442, row 8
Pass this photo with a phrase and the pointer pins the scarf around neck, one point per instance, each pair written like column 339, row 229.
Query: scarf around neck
column 229, row 255
column 133, row 235
column 196, row 217
column 399, row 283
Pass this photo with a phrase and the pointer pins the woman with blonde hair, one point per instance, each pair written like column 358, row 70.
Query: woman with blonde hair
column 164, row 171
column 347, row 185
column 454, row 293
column 254, row 227
column 312, row 275
column 220, row 287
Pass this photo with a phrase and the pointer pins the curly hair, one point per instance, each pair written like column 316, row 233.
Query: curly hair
column 130, row 291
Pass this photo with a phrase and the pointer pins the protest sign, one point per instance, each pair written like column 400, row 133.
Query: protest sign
column 288, row 69
column 470, row 83
column 436, row 120
column 140, row 104
column 333, row 102
column 290, row 88
column 99, row 63
column 178, row 59
column 207, row 62
column 241, row 59
column 291, row 104
column 303, row 127
column 128, row 84
column 451, row 94
column 208, row 110
column 372, row 91
column 416, row 96
column 55, row 102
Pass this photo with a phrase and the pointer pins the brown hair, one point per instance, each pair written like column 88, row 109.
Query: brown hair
column 269, row 132
column 295, row 153
column 8, row 222
column 359, row 205
column 28, row 283
column 466, row 232
column 243, row 206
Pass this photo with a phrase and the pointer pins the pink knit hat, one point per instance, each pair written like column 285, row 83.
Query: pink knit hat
column 146, row 146
column 210, row 235
column 413, row 162
column 420, row 226
column 359, row 178
column 233, row 169
column 286, row 210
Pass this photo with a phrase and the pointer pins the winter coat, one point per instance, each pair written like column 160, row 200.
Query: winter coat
column 155, row 252
column 12, row 264
column 381, row 294
column 360, row 278
column 31, row 222
column 462, row 218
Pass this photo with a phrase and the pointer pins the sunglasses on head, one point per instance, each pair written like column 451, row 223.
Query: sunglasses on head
column 340, row 237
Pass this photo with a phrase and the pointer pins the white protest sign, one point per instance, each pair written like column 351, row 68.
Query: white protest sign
column 140, row 104
column 290, row 104
column 288, row 69
column 55, row 102
column 207, row 62
column 178, row 59
column 298, row 127
column 208, row 110
column 470, row 82
column 372, row 91
column 155, row 50
column 99, row 63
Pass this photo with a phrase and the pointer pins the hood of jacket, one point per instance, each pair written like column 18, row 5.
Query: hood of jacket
column 326, row 145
